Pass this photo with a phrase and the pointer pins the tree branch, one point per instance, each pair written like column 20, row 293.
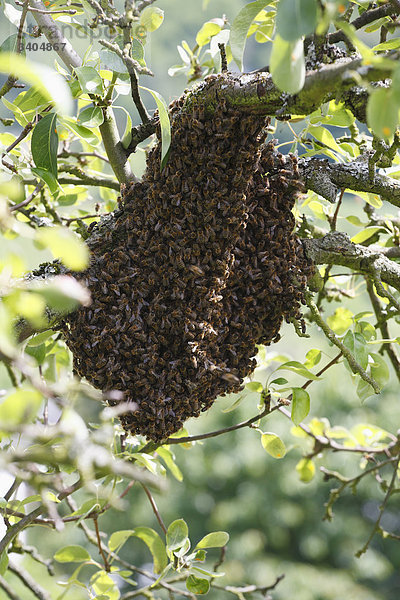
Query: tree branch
column 336, row 249
column 328, row 179
column 256, row 93
column 367, row 17
column 108, row 129
column 29, row 582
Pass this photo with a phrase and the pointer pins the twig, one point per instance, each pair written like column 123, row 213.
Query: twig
column 48, row 12
column 155, row 509
column 369, row 16
column 11, row 81
column 126, row 55
column 32, row 551
column 220, row 560
column 326, row 442
column 383, row 326
column 224, row 62
column 103, row 556
column 354, row 365
column 26, row 130
column 28, row 199
column 376, row 276
column 142, row 5
column 8, row 589
column 130, row 62
column 141, row 133
column 248, row 589
column 18, row 527
column 67, row 154
column 151, row 446
column 70, row 220
column 322, row 371
column 29, row 582
column 381, row 510
column 333, row 221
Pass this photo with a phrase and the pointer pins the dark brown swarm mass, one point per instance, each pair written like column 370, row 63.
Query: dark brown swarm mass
column 201, row 265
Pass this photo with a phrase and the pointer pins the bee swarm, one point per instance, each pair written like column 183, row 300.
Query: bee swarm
column 201, row 265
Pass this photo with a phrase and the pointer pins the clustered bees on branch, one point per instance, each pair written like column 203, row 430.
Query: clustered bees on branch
column 201, row 266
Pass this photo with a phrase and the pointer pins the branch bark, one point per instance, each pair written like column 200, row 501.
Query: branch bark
column 256, row 93
column 327, row 179
column 336, row 249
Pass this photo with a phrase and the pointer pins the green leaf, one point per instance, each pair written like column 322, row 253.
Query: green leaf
column 365, row 234
column 389, row 45
column 80, row 130
column 240, row 27
column 295, row 18
column 379, row 369
column 356, row 221
column 207, row 31
column 10, row 44
column 200, row 555
column 127, row 135
column 287, row 65
column 337, row 115
column 254, row 386
column 50, row 180
column 137, row 51
column 65, row 245
column 164, row 123
column 21, row 406
column 196, row 585
column 367, row 330
column 151, row 18
column 306, row 469
column 48, row 82
column 149, row 537
column 112, row 61
column 216, row 539
column 323, row 135
column 3, row 562
column 341, row 320
column 298, row 368
column 300, row 405
column 356, row 343
column 72, row 554
column 37, row 352
column 44, row 143
column 367, row 434
column 29, row 102
column 273, row 444
column 279, row 381
column 168, row 457
column 177, row 534
column 313, row 357
column 90, row 81
column 102, row 583
column 155, row 545
column 91, row 116
column 383, row 112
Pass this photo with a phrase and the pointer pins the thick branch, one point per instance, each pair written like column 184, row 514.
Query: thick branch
column 327, row 179
column 62, row 46
column 337, row 249
column 257, row 94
